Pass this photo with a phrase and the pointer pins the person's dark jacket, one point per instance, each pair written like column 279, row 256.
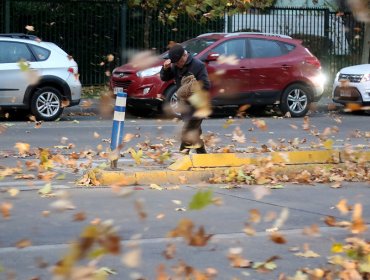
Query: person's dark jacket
column 193, row 66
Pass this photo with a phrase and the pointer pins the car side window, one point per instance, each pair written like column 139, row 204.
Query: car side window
column 235, row 47
column 41, row 53
column 12, row 52
column 261, row 48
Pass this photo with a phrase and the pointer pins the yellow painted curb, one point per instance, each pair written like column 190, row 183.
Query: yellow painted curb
column 157, row 177
column 183, row 164
column 236, row 160
column 198, row 168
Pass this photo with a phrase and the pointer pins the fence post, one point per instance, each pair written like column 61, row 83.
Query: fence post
column 7, row 16
column 327, row 39
column 118, row 123
column 123, row 32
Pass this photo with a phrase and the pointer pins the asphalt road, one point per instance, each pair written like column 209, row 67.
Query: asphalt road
column 87, row 132
column 48, row 232
column 306, row 206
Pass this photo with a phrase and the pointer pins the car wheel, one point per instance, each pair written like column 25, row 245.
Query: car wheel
column 46, row 104
column 295, row 100
column 171, row 102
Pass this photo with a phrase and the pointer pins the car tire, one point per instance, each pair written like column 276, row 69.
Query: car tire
column 46, row 104
column 170, row 106
column 296, row 100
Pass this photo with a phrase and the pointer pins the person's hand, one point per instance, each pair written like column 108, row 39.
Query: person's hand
column 167, row 64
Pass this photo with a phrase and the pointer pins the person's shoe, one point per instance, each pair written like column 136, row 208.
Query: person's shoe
column 201, row 150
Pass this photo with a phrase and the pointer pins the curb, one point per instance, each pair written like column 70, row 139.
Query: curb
column 201, row 168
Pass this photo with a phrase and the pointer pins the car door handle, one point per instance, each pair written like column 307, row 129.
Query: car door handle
column 243, row 69
column 285, row 66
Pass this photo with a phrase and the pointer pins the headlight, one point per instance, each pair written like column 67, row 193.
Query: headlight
column 365, row 78
column 149, row 72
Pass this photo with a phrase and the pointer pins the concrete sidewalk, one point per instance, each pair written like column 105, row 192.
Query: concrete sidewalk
column 196, row 168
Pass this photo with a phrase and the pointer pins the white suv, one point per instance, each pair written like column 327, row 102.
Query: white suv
column 352, row 85
column 38, row 76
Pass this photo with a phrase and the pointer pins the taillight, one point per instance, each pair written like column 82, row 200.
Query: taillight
column 313, row 61
column 71, row 70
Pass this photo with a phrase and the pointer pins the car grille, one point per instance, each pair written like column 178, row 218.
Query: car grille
column 353, row 78
column 347, row 94
column 122, row 84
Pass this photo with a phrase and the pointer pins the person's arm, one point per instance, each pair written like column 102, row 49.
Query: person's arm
column 203, row 76
column 166, row 71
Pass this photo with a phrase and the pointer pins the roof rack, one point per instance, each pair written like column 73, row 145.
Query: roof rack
column 258, row 33
column 19, row 36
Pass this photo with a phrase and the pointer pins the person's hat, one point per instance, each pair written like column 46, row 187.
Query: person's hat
column 175, row 53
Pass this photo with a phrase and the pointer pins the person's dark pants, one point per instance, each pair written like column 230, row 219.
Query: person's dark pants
column 191, row 133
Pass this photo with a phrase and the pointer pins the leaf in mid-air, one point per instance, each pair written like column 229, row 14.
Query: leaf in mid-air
column 200, row 200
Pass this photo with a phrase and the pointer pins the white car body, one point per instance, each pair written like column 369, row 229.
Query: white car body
column 30, row 67
column 352, row 85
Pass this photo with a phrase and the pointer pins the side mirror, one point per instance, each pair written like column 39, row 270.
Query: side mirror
column 212, row 56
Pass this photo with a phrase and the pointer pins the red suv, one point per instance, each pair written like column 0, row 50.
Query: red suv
column 244, row 68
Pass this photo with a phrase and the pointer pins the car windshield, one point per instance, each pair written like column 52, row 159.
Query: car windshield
column 194, row 46
column 197, row 45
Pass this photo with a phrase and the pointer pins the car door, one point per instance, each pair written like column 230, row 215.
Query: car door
column 13, row 81
column 228, row 75
column 270, row 68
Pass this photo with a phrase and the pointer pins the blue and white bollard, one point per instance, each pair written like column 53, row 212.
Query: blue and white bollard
column 118, row 122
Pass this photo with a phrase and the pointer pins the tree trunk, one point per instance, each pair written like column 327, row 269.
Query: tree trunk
column 366, row 45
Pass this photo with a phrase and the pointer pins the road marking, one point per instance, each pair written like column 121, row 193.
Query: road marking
column 30, row 185
column 224, row 236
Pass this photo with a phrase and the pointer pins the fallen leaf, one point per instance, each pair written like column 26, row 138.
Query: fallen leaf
column 277, row 238
column 139, row 206
column 328, row 144
column 342, row 206
column 13, row 192
column 307, row 254
column 236, row 259
column 132, row 259
column 358, row 224
column 23, row 148
column 193, row 238
column 23, row 243
column 5, row 208
column 254, row 216
column 46, row 190
column 170, row 251
column 155, row 187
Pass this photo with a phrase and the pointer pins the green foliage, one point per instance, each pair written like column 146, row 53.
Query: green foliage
column 170, row 10
column 201, row 200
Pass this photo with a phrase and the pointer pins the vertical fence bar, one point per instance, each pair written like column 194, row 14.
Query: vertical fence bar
column 7, row 16
column 123, row 31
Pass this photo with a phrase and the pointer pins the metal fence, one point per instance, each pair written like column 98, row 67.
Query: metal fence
column 91, row 29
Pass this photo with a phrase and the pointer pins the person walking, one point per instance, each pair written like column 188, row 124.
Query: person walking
column 182, row 64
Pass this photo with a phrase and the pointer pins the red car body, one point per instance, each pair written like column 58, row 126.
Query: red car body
column 244, row 68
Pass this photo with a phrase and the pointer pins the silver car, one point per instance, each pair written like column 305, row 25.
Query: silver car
column 38, row 76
